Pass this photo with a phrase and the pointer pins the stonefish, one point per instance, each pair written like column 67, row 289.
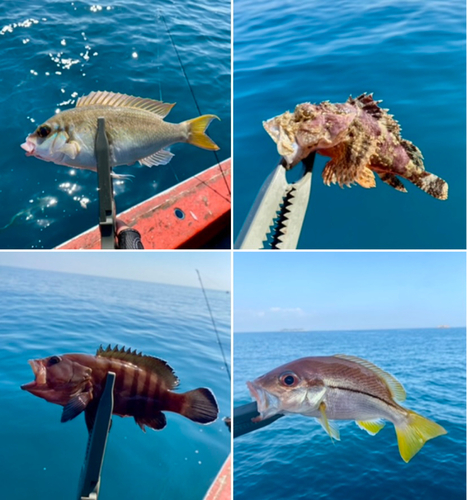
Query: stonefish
column 360, row 138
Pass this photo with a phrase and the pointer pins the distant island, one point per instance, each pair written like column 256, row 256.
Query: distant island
column 444, row 326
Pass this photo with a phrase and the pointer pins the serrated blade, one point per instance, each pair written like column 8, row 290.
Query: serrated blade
column 263, row 212
column 276, row 218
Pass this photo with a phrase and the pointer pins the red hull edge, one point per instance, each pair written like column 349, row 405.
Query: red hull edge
column 221, row 488
column 186, row 216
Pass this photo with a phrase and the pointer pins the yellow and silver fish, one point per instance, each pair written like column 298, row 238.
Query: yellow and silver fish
column 135, row 129
column 343, row 387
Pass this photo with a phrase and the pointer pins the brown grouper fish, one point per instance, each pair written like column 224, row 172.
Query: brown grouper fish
column 361, row 139
column 342, row 387
column 143, row 387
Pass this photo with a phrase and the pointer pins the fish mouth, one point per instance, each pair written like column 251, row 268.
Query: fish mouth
column 40, row 377
column 268, row 404
column 29, row 147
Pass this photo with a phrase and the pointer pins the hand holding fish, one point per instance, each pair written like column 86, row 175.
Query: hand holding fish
column 143, row 387
column 343, row 387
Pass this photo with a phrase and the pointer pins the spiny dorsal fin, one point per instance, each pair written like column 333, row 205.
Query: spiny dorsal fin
column 112, row 99
column 156, row 365
column 394, row 386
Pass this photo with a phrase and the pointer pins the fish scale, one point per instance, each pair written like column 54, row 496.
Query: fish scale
column 360, row 138
column 135, row 128
column 142, row 387
column 342, row 387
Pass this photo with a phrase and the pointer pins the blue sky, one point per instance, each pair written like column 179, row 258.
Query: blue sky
column 174, row 268
column 348, row 290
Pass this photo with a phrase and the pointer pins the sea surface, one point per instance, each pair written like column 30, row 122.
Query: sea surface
column 54, row 52
column 294, row 457
column 410, row 54
column 45, row 313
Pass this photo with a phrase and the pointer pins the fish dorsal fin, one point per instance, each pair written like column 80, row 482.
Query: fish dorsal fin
column 156, row 365
column 395, row 387
column 114, row 100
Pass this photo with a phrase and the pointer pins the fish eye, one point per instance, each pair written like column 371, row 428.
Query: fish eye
column 43, row 131
column 289, row 379
column 54, row 360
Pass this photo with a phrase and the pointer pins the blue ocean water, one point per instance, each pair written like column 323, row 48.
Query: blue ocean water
column 294, row 457
column 411, row 55
column 45, row 313
column 54, row 52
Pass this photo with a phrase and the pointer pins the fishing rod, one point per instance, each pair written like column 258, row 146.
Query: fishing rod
column 214, row 325
column 193, row 95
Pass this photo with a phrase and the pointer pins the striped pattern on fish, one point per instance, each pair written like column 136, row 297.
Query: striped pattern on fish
column 143, row 387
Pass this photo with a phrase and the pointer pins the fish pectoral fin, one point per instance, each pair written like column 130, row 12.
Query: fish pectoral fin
column 76, row 405
column 372, row 427
column 70, row 149
column 414, row 432
column 328, row 426
column 366, row 178
column 329, row 174
column 162, row 157
column 156, row 421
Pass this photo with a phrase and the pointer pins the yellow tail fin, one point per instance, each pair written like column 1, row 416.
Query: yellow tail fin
column 196, row 135
column 414, row 433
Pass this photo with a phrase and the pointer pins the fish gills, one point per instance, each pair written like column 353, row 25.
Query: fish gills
column 414, row 433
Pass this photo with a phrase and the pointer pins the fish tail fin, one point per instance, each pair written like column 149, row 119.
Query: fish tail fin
column 196, row 132
column 431, row 184
column 200, row 405
column 414, row 432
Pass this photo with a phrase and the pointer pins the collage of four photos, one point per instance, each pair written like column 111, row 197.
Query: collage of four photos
column 288, row 183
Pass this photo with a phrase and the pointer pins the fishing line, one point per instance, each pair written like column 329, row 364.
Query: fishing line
column 214, row 325
column 194, row 98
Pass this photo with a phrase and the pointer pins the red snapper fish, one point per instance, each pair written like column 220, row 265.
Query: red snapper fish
column 135, row 128
column 343, row 387
column 143, row 387
column 361, row 139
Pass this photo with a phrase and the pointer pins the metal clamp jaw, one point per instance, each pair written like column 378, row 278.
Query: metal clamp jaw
column 242, row 419
column 90, row 479
column 106, row 199
column 276, row 218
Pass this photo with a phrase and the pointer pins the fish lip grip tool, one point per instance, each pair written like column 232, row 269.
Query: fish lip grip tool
column 90, row 479
column 242, row 421
column 107, row 223
column 276, row 218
